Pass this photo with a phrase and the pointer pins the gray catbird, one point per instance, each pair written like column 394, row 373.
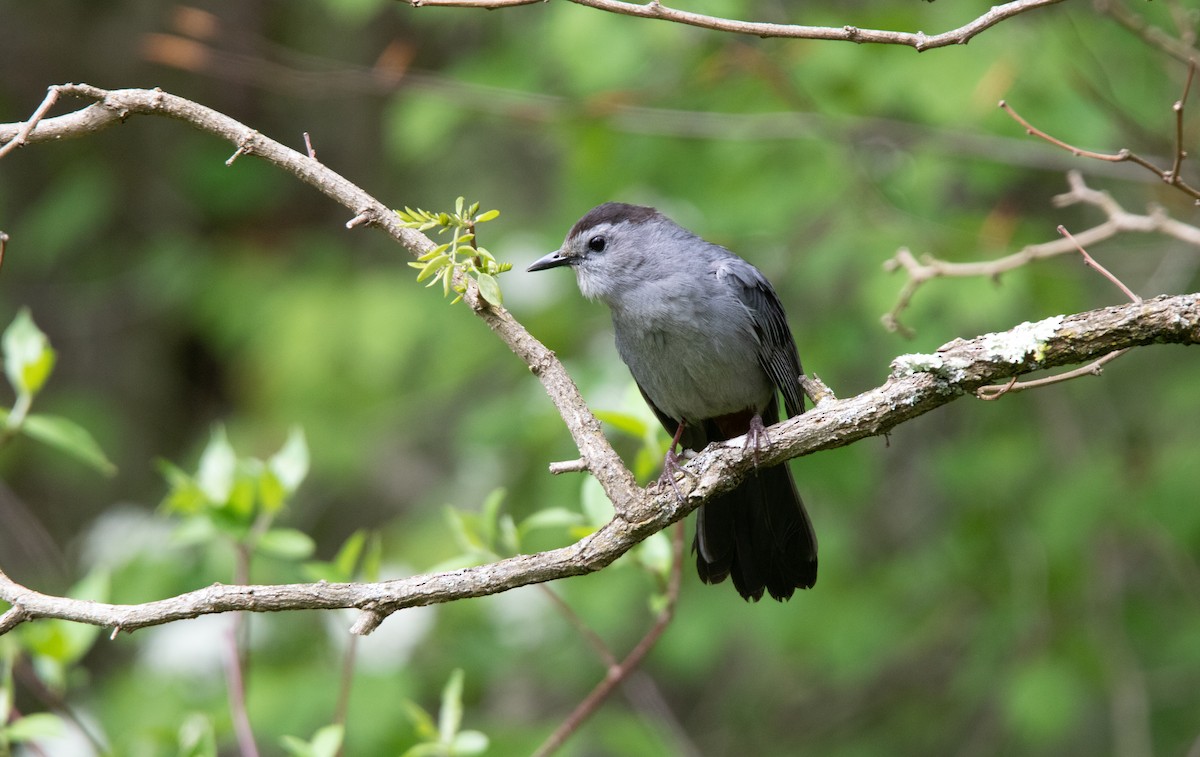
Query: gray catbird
column 707, row 341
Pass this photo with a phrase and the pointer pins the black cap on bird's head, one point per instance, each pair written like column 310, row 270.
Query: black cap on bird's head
column 600, row 220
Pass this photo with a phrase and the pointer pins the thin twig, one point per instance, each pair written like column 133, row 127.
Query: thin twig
column 237, row 692
column 1121, row 156
column 22, row 136
column 568, row 466
column 916, row 386
column 1090, row 261
column 342, row 708
column 618, row 673
column 656, row 10
column 1094, row 368
column 581, row 627
column 1176, row 48
column 308, row 145
column 1180, row 151
column 1118, row 221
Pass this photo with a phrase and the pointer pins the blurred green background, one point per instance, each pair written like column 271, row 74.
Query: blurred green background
column 1011, row 577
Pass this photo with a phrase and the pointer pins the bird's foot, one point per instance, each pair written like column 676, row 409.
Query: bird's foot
column 756, row 437
column 671, row 467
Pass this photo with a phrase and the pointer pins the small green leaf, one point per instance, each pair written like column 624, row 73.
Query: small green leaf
column 347, row 557
column 458, row 206
column 489, row 513
column 295, row 746
column 507, row 536
column 328, row 740
column 290, row 463
column 198, row 529
column 69, row 437
column 325, row 743
column 466, row 530
column 490, row 289
column 218, row 464
column 39, row 725
column 596, row 507
column 450, row 716
column 421, row 720
column 488, row 216
column 469, row 743
column 286, row 544
column 433, row 266
column 554, row 517
column 28, row 357
column 196, row 737
column 655, row 554
column 624, row 422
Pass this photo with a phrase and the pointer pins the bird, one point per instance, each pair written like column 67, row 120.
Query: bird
column 707, row 341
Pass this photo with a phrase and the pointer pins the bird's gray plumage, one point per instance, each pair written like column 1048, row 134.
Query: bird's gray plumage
column 706, row 339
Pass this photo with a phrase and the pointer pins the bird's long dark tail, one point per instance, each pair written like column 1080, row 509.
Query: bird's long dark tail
column 759, row 535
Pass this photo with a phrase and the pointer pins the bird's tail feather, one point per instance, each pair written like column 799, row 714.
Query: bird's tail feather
column 759, row 535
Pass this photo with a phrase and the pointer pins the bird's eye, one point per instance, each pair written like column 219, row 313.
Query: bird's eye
column 597, row 244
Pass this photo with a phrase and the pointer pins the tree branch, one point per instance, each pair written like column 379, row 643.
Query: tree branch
column 114, row 106
column 918, row 384
column 655, row 9
column 1118, row 221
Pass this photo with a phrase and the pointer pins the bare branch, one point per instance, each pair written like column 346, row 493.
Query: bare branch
column 1118, row 221
column 918, row 384
column 1179, row 49
column 1094, row 368
column 1170, row 176
column 655, row 9
column 115, row 106
column 619, row 672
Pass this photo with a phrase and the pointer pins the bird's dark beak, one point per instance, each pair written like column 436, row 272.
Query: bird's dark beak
column 553, row 260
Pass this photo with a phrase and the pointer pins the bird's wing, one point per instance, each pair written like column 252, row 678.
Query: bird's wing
column 776, row 347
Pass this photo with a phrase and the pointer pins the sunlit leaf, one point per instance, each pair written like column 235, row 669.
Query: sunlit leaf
column 28, row 356
column 450, row 715
column 39, row 725
column 469, row 743
column 196, row 737
column 290, row 463
column 218, row 465
column 490, row 289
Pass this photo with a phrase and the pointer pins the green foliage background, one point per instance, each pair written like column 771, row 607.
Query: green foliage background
column 1012, row 577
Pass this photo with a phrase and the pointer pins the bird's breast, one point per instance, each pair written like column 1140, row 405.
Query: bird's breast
column 694, row 368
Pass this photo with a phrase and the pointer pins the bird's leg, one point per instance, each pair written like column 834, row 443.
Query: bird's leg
column 671, row 464
column 757, row 437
